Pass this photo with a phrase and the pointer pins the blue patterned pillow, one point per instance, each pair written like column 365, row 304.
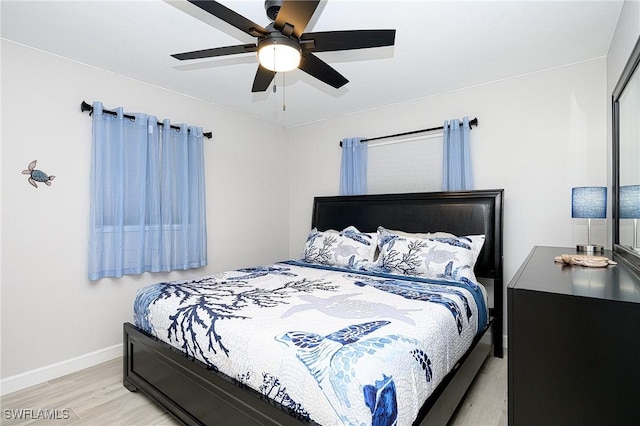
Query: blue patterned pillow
column 348, row 248
column 450, row 258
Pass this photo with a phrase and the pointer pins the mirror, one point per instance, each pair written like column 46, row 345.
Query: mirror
column 626, row 163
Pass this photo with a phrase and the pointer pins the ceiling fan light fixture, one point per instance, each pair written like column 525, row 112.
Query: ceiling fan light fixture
column 279, row 54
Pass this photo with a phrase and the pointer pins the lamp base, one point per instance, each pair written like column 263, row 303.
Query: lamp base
column 589, row 248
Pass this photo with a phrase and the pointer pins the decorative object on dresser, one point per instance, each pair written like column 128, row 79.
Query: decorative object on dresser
column 573, row 343
column 582, row 260
column 589, row 202
column 196, row 392
column 630, row 209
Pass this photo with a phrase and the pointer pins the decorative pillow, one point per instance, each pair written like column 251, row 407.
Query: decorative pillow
column 450, row 257
column 348, row 248
column 422, row 234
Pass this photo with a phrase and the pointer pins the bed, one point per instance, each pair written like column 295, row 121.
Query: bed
column 346, row 311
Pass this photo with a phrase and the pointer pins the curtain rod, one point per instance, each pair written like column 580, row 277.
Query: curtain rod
column 86, row 107
column 472, row 123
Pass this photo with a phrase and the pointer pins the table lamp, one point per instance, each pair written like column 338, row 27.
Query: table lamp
column 589, row 202
column 630, row 208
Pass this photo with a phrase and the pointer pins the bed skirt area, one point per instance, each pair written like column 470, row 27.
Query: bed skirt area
column 196, row 395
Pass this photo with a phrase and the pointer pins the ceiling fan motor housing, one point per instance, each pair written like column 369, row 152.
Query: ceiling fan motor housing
column 272, row 8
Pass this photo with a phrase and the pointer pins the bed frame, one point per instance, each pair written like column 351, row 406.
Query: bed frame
column 196, row 395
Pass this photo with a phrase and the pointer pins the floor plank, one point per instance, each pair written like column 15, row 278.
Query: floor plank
column 486, row 400
column 95, row 396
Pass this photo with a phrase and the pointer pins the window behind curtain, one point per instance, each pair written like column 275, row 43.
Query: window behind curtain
column 411, row 164
column 147, row 196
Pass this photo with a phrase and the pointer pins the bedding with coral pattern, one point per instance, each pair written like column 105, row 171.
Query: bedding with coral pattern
column 332, row 345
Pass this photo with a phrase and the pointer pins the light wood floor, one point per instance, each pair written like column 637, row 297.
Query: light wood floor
column 95, row 396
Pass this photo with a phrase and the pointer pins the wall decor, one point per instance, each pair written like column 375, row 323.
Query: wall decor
column 37, row 175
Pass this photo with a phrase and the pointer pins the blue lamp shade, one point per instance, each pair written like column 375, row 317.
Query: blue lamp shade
column 589, row 202
column 630, row 202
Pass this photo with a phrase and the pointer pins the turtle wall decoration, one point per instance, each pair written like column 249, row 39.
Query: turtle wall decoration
column 37, row 175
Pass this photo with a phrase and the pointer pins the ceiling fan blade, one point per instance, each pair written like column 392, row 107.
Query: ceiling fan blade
column 216, row 51
column 330, row 41
column 262, row 80
column 230, row 17
column 319, row 69
column 296, row 14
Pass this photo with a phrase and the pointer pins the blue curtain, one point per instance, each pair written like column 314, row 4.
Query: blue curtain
column 147, row 209
column 353, row 170
column 456, row 165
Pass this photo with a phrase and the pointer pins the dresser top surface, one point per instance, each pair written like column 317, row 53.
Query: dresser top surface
column 539, row 272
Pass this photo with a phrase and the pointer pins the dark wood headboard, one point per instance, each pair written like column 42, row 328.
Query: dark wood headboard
column 460, row 213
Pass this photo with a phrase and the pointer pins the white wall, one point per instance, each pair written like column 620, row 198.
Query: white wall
column 624, row 39
column 539, row 135
column 51, row 312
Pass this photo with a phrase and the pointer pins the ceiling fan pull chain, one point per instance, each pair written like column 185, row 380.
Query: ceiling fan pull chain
column 274, row 73
column 284, row 106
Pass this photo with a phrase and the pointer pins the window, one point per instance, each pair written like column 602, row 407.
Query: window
column 411, row 164
column 147, row 196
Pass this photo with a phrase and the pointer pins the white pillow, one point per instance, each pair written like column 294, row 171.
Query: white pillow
column 422, row 234
column 348, row 248
column 449, row 258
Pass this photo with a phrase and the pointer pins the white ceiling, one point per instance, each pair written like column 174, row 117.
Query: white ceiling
column 440, row 46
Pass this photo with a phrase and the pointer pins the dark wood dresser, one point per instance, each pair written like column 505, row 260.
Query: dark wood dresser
column 574, row 343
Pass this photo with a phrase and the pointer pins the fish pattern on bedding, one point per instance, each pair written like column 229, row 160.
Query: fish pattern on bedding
column 332, row 345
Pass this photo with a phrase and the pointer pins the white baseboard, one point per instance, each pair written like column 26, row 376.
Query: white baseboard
column 59, row 369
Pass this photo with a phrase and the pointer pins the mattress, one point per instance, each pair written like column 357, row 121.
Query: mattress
column 331, row 345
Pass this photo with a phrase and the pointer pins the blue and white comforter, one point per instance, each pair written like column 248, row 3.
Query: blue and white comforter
column 332, row 345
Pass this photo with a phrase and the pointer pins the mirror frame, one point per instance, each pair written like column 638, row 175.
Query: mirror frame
column 620, row 252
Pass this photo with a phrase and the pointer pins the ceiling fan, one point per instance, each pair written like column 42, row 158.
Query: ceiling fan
column 283, row 45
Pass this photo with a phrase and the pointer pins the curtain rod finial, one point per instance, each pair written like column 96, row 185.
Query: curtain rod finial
column 86, row 107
